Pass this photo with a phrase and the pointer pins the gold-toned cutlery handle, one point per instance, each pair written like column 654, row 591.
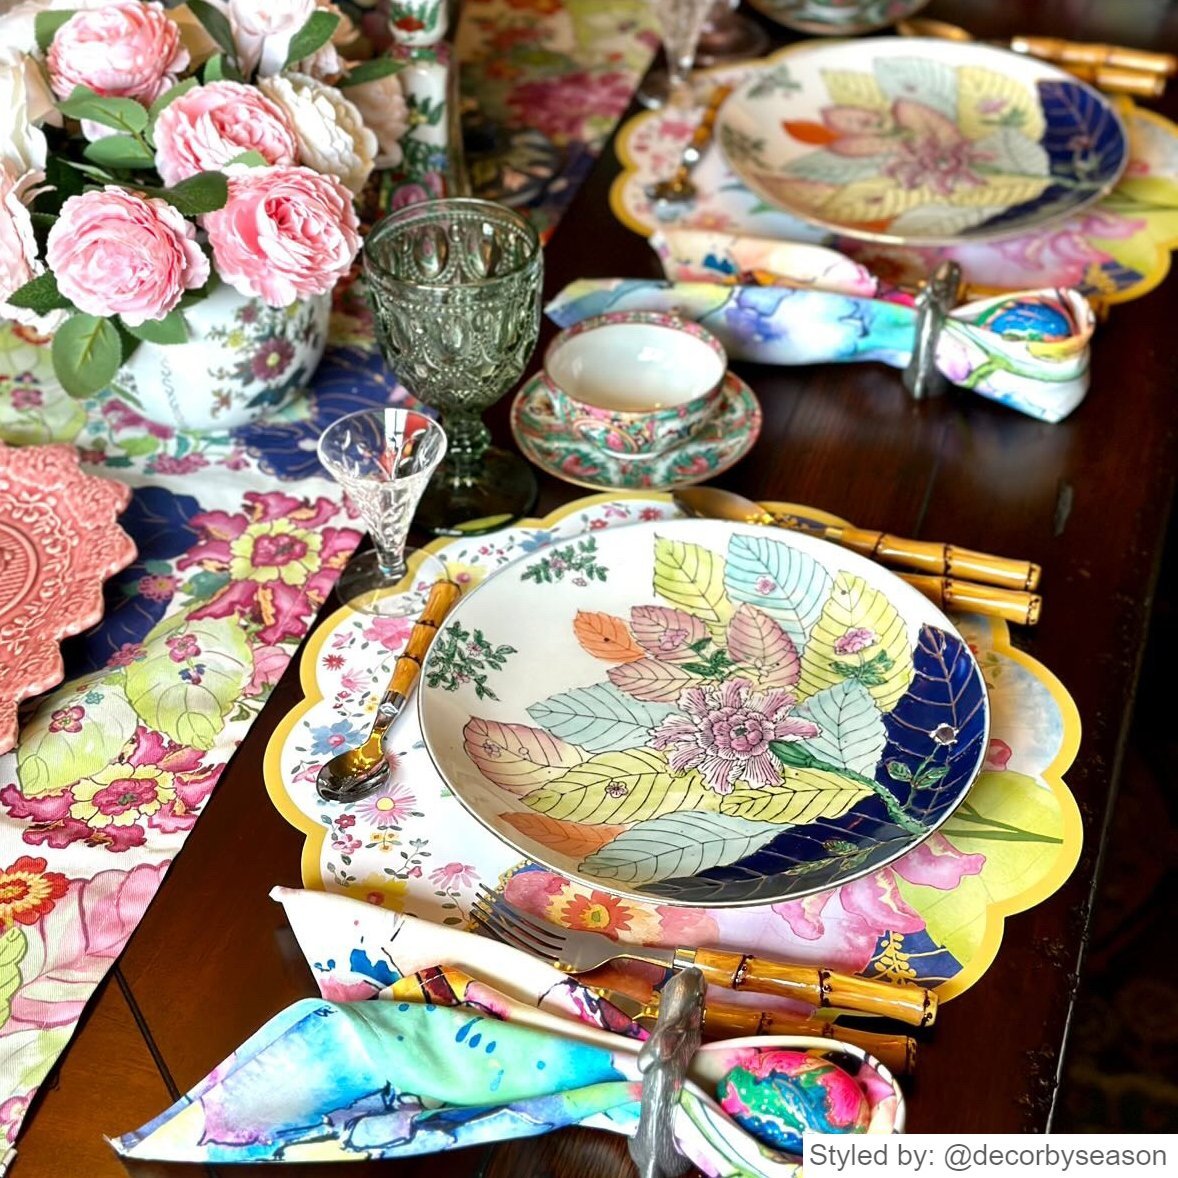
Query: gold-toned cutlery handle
column 814, row 986
column 925, row 556
column 1013, row 605
column 442, row 596
column 1094, row 54
column 725, row 1020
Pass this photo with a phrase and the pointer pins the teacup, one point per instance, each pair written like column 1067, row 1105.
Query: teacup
column 635, row 382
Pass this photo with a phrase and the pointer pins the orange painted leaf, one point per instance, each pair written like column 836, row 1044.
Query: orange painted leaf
column 566, row 838
column 606, row 637
column 818, row 134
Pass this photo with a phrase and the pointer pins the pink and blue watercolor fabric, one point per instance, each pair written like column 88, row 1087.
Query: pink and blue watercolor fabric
column 1028, row 351
column 325, row 1081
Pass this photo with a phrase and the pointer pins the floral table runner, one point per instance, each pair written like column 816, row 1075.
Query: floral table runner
column 240, row 539
column 935, row 916
column 1116, row 251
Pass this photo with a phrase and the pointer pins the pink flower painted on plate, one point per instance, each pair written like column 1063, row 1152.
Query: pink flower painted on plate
column 854, row 640
column 452, row 875
column 391, row 633
column 390, row 807
column 182, row 647
column 727, row 732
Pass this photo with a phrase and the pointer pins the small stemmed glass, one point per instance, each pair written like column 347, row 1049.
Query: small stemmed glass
column 681, row 23
column 383, row 459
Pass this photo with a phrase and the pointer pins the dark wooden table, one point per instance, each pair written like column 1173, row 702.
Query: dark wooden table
column 1089, row 499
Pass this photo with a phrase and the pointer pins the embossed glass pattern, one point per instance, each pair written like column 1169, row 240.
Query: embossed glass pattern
column 455, row 287
column 383, row 459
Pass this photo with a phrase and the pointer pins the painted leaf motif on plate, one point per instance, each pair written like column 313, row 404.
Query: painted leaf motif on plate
column 516, row 757
column 691, row 577
column 851, row 729
column 860, row 635
column 630, row 785
column 573, row 839
column 605, row 637
column 681, row 844
column 805, row 795
column 987, row 100
column 855, row 88
column 666, row 634
column 929, row 82
column 788, row 584
column 599, row 717
column 650, row 679
column 763, row 651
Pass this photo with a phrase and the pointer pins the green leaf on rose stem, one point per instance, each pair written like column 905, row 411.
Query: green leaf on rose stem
column 203, row 193
column 124, row 114
column 171, row 329
column 45, row 26
column 93, row 171
column 40, row 295
column 219, row 68
column 370, row 71
column 168, row 97
column 318, row 30
column 86, row 354
column 250, row 159
column 216, row 24
column 119, row 151
column 127, row 342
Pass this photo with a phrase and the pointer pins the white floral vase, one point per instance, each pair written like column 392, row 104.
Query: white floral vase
column 242, row 361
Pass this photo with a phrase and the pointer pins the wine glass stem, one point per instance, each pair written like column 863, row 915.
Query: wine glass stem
column 467, row 442
column 391, row 558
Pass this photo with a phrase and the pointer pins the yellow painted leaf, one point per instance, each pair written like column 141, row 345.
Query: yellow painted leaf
column 628, row 785
column 692, row 577
column 516, row 757
column 859, row 635
column 804, row 796
column 878, row 198
column 998, row 192
column 574, row 839
column 606, row 637
column 987, row 100
column 852, row 88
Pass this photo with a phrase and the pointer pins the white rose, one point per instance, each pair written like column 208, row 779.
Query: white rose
column 331, row 132
column 18, row 24
column 383, row 108
column 262, row 32
column 25, row 100
column 18, row 246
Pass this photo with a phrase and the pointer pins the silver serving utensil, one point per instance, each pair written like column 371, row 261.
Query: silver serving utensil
column 678, row 188
column 361, row 771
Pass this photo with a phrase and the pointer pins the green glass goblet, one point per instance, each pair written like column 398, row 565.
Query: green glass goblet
column 455, row 287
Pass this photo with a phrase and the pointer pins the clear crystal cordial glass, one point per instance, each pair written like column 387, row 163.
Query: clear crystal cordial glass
column 383, row 459
column 680, row 24
column 455, row 287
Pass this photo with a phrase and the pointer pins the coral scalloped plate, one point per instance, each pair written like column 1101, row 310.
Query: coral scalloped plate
column 704, row 713
column 58, row 542
column 917, row 141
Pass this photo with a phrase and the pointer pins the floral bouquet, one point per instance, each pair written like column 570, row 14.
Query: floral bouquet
column 148, row 152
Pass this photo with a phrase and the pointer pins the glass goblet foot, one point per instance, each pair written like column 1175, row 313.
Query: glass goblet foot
column 505, row 491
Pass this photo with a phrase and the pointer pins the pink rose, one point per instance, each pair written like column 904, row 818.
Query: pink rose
column 209, row 126
column 126, row 49
column 284, row 234
column 118, row 253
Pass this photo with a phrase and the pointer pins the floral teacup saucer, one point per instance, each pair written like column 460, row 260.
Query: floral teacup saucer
column 547, row 439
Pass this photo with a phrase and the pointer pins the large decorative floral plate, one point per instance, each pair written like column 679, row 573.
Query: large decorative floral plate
column 58, row 542
column 838, row 18
column 917, row 141
column 718, row 715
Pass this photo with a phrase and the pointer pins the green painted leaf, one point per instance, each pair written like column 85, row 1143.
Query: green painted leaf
column 852, row 730
column 119, row 151
column 313, row 35
column 13, row 945
column 678, row 845
column 124, row 114
column 1010, row 151
column 45, row 26
column 805, row 795
column 87, row 353
column 628, row 785
column 171, row 329
column 599, row 717
column 828, row 167
column 370, row 71
column 190, row 710
column 40, row 294
column 786, row 583
column 48, row 761
column 921, row 79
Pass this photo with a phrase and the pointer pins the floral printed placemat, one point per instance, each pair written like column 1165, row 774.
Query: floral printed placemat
column 934, row 916
column 1117, row 250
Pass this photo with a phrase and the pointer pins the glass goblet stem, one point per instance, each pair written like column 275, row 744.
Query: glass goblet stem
column 468, row 440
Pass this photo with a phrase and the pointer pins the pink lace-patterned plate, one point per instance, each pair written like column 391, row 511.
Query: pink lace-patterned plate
column 58, row 542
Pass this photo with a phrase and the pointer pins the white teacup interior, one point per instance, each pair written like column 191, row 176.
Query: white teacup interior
column 634, row 367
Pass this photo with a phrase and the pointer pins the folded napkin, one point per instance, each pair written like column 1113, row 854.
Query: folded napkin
column 1029, row 351
column 449, row 1060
